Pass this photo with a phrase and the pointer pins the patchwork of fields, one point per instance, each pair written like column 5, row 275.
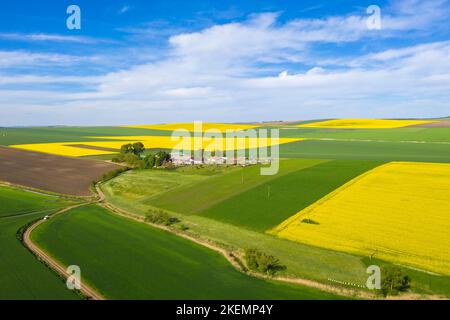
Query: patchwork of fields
column 102, row 147
column 134, row 261
column 349, row 192
column 398, row 212
column 266, row 205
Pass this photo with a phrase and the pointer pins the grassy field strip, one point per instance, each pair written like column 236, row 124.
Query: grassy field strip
column 146, row 186
column 382, row 208
column 61, row 269
column 222, row 127
column 388, row 141
column 353, row 150
column 364, row 123
column 135, row 261
column 196, row 198
column 24, row 214
column 15, row 201
column 268, row 204
column 13, row 136
column 22, row 276
column 393, row 135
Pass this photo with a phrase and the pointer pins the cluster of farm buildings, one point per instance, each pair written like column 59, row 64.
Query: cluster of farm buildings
column 180, row 160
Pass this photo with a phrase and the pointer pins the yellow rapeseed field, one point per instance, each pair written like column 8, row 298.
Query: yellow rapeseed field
column 363, row 124
column 157, row 142
column 192, row 143
column 61, row 149
column 398, row 212
column 222, row 127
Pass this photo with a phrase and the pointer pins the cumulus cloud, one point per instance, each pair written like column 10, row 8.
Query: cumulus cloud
column 20, row 58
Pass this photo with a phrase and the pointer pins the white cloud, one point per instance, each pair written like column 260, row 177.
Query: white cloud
column 239, row 72
column 23, row 58
column 124, row 9
column 44, row 37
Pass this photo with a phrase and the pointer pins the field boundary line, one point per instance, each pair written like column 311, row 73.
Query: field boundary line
column 382, row 141
column 44, row 192
column 52, row 263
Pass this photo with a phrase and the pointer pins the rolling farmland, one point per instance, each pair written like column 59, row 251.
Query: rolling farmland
column 266, row 205
column 238, row 208
column 218, row 157
column 398, row 211
column 22, row 276
column 195, row 199
column 101, row 147
column 135, row 261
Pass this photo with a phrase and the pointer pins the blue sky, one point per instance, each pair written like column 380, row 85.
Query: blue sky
column 226, row 61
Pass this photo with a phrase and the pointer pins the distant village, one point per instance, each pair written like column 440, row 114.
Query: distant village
column 182, row 160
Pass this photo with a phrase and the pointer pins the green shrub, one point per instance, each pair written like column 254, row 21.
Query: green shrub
column 183, row 227
column 112, row 174
column 394, row 281
column 260, row 262
column 136, row 148
column 160, row 217
column 309, row 221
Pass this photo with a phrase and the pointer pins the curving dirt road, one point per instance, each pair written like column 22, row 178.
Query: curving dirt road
column 85, row 289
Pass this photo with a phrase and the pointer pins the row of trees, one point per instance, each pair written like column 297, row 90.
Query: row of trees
column 132, row 155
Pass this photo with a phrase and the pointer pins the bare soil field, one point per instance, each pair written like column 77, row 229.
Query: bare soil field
column 440, row 124
column 93, row 147
column 70, row 176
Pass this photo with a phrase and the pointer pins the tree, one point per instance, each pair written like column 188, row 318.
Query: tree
column 160, row 217
column 394, row 281
column 126, row 148
column 138, row 148
column 260, row 262
column 150, row 161
column 162, row 157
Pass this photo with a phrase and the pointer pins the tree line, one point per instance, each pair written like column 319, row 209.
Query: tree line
column 133, row 154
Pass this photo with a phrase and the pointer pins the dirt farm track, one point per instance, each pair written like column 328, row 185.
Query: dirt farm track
column 71, row 176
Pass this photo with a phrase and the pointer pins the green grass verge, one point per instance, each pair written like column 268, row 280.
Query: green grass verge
column 363, row 150
column 398, row 134
column 132, row 260
column 17, row 201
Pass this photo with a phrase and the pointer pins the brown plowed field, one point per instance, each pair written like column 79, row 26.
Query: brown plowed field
column 71, row 176
column 440, row 124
